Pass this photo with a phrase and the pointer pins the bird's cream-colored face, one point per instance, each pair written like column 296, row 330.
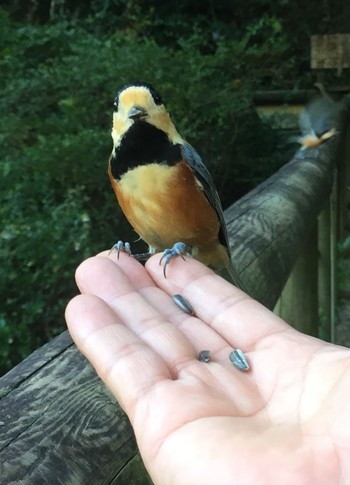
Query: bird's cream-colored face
column 138, row 96
column 139, row 99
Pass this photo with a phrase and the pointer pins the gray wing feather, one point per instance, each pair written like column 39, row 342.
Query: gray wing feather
column 202, row 174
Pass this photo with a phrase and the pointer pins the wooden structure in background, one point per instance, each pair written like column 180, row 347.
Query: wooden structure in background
column 308, row 301
column 330, row 51
column 60, row 425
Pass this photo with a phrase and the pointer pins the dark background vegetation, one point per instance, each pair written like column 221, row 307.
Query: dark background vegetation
column 62, row 62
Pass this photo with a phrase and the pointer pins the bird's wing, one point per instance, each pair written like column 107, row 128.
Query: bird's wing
column 202, row 174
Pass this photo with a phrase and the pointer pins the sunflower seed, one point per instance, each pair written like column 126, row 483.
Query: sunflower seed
column 182, row 303
column 239, row 360
column 204, row 356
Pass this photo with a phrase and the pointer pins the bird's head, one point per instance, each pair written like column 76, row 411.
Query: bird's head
column 140, row 103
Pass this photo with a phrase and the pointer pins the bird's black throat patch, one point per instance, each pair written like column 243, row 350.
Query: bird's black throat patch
column 143, row 144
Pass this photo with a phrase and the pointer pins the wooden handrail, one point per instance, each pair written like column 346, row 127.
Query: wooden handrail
column 58, row 422
column 269, row 226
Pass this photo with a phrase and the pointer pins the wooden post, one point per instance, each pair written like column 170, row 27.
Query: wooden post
column 326, row 269
column 334, row 238
column 343, row 181
column 298, row 304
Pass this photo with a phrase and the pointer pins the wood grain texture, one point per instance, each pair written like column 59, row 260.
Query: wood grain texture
column 60, row 425
column 58, row 422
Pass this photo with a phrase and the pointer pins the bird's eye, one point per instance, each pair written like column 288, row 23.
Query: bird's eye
column 116, row 103
column 155, row 95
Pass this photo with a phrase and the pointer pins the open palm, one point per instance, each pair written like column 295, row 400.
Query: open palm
column 286, row 421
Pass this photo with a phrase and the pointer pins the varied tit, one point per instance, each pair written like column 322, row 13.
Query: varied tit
column 162, row 185
column 318, row 120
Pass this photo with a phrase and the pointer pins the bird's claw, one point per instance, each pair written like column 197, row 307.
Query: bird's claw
column 179, row 249
column 121, row 246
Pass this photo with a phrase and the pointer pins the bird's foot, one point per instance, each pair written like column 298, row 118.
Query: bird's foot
column 120, row 246
column 179, row 249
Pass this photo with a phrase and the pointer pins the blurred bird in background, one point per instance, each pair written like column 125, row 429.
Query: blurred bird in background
column 162, row 185
column 318, row 120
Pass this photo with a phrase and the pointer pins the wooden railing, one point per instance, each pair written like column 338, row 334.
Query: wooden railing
column 284, row 233
column 58, row 422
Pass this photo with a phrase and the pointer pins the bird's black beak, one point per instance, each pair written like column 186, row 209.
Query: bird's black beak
column 136, row 113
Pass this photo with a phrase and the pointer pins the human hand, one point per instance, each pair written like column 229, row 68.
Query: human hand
column 286, row 421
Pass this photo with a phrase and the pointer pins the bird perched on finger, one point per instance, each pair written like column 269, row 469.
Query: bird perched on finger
column 318, row 120
column 162, row 185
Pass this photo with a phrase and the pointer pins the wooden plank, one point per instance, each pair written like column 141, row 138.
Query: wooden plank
column 298, row 96
column 343, row 181
column 334, row 203
column 59, row 423
column 325, row 273
column 298, row 304
column 39, row 359
column 330, row 51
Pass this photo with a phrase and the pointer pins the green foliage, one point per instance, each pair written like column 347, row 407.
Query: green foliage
column 40, row 244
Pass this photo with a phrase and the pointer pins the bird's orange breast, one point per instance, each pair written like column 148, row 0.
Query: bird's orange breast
column 166, row 204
